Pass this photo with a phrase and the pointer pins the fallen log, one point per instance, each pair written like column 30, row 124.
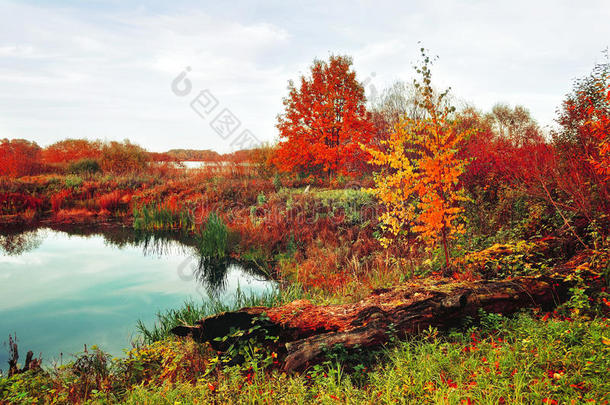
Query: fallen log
column 305, row 330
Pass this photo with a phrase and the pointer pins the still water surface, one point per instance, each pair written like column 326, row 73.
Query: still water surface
column 59, row 291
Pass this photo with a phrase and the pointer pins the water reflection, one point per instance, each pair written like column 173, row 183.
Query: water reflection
column 211, row 274
column 61, row 287
column 18, row 242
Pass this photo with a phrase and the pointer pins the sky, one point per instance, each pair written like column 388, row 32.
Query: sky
column 111, row 70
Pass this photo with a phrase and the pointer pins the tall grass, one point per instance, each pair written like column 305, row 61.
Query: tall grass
column 192, row 311
column 157, row 217
column 213, row 238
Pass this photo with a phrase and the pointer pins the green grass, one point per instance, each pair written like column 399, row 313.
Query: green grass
column 520, row 360
column 73, row 181
column 213, row 238
column 525, row 361
column 350, row 201
column 192, row 311
column 155, row 217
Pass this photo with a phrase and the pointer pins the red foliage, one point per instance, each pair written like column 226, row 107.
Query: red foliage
column 497, row 160
column 58, row 199
column 583, row 143
column 110, row 201
column 19, row 157
column 15, row 203
column 597, row 124
column 324, row 122
column 310, row 230
column 70, row 150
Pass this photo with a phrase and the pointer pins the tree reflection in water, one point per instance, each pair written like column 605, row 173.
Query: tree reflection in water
column 210, row 274
column 19, row 242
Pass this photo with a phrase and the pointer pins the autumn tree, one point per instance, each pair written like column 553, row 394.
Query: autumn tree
column 261, row 159
column 599, row 125
column 395, row 102
column 419, row 178
column 71, row 150
column 324, row 121
column 587, row 101
column 513, row 124
column 502, row 139
column 123, row 157
column 19, row 157
column 581, row 143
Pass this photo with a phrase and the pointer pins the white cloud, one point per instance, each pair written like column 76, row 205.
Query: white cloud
column 105, row 72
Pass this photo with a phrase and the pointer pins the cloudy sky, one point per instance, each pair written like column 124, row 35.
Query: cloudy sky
column 105, row 69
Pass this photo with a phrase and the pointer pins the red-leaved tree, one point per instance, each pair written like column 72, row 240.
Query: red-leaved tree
column 324, row 122
column 19, row 157
column 70, row 150
column 582, row 142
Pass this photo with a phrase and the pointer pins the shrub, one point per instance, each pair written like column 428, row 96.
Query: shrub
column 123, row 157
column 73, row 181
column 110, row 201
column 84, row 166
column 58, row 199
column 71, row 151
column 14, row 203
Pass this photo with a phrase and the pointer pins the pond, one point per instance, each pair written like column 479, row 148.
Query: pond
column 60, row 290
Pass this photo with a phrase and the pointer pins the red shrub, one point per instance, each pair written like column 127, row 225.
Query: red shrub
column 58, row 200
column 15, row 203
column 110, row 201
column 125, row 157
column 582, row 144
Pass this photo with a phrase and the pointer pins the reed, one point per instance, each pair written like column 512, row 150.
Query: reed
column 161, row 217
column 213, row 238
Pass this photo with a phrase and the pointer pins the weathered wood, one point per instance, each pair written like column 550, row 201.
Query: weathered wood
column 31, row 363
column 305, row 329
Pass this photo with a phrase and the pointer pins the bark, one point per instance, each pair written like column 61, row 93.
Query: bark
column 305, row 330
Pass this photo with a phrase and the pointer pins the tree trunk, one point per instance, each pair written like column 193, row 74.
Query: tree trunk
column 445, row 248
column 304, row 329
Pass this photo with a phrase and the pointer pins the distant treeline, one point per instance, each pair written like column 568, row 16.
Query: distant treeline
column 203, row 155
column 20, row 157
column 206, row 155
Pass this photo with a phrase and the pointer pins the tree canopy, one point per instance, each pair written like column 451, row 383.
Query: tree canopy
column 325, row 119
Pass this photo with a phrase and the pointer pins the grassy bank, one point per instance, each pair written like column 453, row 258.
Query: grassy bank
column 531, row 358
column 522, row 360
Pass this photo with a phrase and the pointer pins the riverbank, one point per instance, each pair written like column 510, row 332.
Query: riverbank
column 532, row 358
